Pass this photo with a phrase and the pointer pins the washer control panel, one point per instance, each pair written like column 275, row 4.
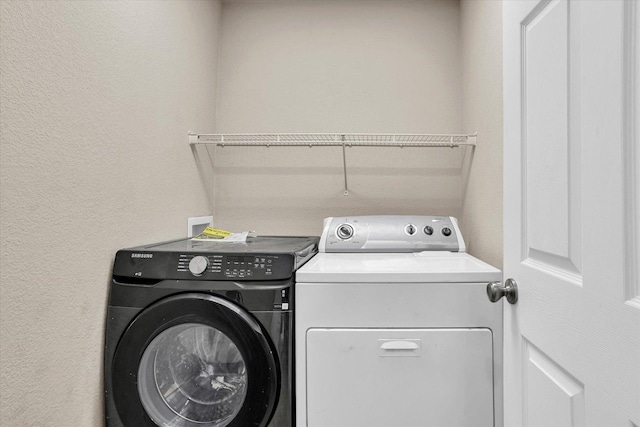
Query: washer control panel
column 224, row 267
column 391, row 233
column 258, row 259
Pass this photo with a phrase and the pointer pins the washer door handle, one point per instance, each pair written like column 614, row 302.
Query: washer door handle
column 510, row 289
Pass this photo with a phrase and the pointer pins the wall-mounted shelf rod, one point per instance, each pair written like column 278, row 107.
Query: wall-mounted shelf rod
column 333, row 139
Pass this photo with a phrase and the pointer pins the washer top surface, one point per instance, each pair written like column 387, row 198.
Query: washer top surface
column 415, row 267
column 263, row 258
column 259, row 244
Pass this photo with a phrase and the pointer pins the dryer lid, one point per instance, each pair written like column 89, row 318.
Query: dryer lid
column 418, row 267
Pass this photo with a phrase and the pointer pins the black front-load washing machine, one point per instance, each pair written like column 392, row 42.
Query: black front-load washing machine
column 200, row 333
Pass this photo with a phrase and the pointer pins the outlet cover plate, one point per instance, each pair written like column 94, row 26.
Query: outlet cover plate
column 196, row 224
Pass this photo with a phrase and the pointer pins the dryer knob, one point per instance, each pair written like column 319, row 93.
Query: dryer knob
column 198, row 265
column 344, row 231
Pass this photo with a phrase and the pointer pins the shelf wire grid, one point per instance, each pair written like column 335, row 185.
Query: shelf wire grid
column 333, row 139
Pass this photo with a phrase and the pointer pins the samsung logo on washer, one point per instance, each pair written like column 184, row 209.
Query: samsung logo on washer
column 134, row 255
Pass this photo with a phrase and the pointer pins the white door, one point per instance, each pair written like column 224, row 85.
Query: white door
column 572, row 341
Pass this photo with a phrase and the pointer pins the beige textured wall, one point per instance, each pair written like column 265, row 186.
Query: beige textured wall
column 481, row 52
column 336, row 66
column 96, row 99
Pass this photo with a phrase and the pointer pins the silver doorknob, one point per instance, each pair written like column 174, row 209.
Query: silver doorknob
column 510, row 289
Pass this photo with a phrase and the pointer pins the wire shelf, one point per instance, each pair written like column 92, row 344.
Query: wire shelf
column 343, row 140
column 333, row 139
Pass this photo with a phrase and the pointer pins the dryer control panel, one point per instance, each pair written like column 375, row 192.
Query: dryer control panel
column 391, row 233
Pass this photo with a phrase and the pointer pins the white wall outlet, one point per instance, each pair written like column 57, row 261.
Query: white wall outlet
column 196, row 224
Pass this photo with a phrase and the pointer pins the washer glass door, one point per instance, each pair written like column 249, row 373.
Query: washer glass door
column 193, row 373
column 195, row 360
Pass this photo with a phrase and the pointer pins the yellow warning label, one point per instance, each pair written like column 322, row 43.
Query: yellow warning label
column 213, row 234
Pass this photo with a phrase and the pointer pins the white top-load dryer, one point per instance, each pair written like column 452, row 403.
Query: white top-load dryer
column 394, row 328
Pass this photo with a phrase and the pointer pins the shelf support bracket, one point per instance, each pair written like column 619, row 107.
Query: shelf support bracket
column 344, row 165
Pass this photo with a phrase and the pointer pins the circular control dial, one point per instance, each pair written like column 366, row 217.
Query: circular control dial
column 410, row 229
column 198, row 265
column 344, row 231
column 446, row 232
column 428, row 230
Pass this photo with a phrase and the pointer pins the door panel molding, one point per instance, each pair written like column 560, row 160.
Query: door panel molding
column 551, row 213
column 548, row 385
column 557, row 266
column 631, row 117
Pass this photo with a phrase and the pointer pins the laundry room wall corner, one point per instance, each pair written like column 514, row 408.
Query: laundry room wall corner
column 96, row 99
column 481, row 52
